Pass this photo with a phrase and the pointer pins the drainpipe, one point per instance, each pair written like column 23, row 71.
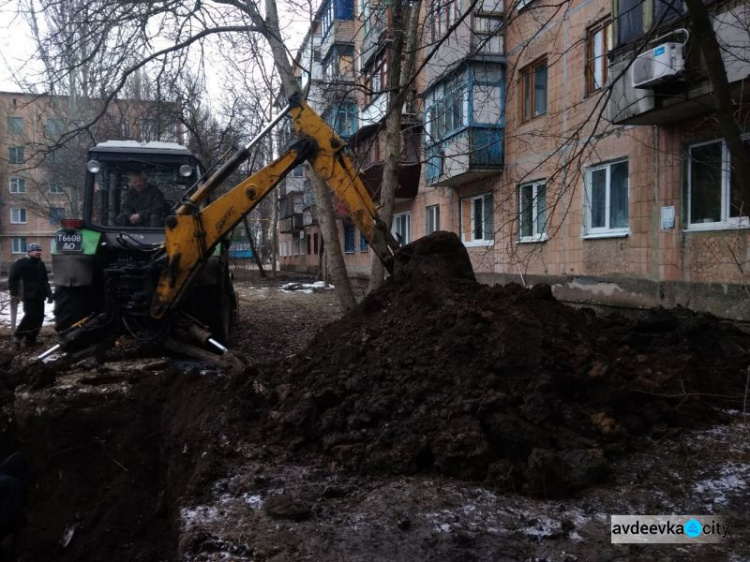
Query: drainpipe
column 564, row 191
column 656, row 214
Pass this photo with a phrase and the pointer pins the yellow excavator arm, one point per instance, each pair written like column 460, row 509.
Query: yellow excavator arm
column 193, row 233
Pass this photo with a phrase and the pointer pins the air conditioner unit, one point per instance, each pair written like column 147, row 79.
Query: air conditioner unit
column 660, row 64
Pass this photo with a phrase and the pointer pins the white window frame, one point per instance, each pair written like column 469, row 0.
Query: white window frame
column 605, row 231
column 488, row 231
column 401, row 227
column 725, row 221
column 20, row 218
column 539, row 229
column 17, row 184
column 432, row 215
column 18, row 245
column 56, row 188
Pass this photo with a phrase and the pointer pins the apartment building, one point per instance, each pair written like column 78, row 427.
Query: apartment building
column 618, row 188
column 575, row 145
column 40, row 174
column 343, row 64
column 32, row 201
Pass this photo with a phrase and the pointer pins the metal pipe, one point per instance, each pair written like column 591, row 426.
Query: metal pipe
column 268, row 127
column 217, row 345
column 228, row 167
column 49, row 352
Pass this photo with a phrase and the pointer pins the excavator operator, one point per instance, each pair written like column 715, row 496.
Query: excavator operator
column 144, row 204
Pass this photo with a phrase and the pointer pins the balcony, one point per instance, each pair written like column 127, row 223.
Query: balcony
column 408, row 180
column 472, row 154
column 291, row 224
column 376, row 30
column 290, row 204
column 367, row 144
column 295, row 181
column 310, row 216
column 682, row 94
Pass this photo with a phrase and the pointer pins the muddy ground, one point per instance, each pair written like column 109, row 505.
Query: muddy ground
column 441, row 420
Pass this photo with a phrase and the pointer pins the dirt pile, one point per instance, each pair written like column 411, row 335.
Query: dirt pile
column 435, row 372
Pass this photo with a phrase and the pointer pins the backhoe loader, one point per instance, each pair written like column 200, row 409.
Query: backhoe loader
column 167, row 282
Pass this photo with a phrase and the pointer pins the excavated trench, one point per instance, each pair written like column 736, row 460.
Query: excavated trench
column 111, row 458
column 433, row 374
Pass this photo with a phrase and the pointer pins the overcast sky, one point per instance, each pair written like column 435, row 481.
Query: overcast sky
column 17, row 59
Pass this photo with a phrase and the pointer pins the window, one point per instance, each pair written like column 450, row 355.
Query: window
column 376, row 77
column 56, row 214
column 432, row 222
column 401, row 228
column 489, row 39
column 714, row 199
column 636, row 17
column 309, row 245
column 15, row 155
column 345, row 123
column 315, row 243
column 15, row 125
column 445, row 109
column 606, row 199
column 53, row 128
column 477, row 222
column 534, row 90
column 532, row 211
column 298, row 171
column 327, row 18
column 349, row 235
column 18, row 244
column 339, row 63
column 363, row 245
column 445, row 16
column 329, row 68
column 598, row 45
column 372, row 13
column 18, row 216
column 17, row 185
column 56, row 187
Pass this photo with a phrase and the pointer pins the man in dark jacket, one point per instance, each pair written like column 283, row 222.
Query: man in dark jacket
column 28, row 282
column 144, row 204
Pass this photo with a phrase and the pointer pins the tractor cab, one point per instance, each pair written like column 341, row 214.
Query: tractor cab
column 123, row 177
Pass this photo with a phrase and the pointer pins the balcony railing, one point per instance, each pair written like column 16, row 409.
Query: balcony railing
column 293, row 223
column 471, row 154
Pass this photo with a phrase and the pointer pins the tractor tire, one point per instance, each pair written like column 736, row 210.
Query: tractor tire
column 211, row 306
column 71, row 305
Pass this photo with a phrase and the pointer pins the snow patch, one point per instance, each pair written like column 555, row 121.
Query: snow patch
column 306, row 288
column 49, row 317
column 733, row 477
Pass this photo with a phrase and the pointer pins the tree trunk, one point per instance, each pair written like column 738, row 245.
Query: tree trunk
column 329, row 230
column 250, row 241
column 399, row 80
column 705, row 37
column 275, row 235
column 323, row 201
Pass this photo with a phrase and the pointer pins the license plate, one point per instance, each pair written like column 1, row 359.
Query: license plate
column 69, row 242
